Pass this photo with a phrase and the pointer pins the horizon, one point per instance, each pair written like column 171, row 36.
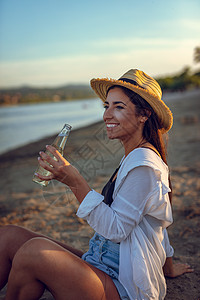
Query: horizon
column 29, row 86
column 71, row 43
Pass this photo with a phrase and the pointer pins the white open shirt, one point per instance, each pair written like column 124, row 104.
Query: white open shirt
column 136, row 219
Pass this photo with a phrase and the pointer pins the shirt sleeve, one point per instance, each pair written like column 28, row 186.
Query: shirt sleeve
column 118, row 220
column 166, row 244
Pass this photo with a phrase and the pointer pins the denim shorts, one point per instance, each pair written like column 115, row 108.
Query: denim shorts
column 104, row 255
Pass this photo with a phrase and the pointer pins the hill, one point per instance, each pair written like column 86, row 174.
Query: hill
column 181, row 81
column 26, row 94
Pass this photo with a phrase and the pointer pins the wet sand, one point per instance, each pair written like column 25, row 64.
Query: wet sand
column 52, row 210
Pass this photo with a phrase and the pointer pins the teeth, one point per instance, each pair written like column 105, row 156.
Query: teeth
column 111, row 125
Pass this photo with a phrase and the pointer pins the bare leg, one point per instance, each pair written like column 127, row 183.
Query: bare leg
column 41, row 262
column 11, row 239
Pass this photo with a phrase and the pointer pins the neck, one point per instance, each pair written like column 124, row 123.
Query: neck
column 131, row 145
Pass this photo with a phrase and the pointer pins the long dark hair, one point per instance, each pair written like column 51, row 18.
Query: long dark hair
column 152, row 127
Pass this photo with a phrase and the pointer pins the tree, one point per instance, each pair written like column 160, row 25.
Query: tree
column 197, row 55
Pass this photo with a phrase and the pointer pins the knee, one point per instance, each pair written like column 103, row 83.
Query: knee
column 34, row 247
column 31, row 254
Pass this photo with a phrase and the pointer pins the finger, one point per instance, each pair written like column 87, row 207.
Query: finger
column 54, row 151
column 45, row 178
column 47, row 157
column 188, row 268
column 44, row 164
column 183, row 268
column 60, row 159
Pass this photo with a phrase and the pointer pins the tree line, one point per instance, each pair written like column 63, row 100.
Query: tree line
column 184, row 80
column 181, row 81
column 30, row 95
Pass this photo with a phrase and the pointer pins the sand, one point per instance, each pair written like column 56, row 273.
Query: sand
column 52, row 211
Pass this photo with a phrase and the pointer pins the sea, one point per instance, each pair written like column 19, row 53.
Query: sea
column 22, row 124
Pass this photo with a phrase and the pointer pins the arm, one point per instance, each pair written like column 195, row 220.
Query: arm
column 116, row 222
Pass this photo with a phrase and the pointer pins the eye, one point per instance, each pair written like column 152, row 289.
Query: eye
column 119, row 107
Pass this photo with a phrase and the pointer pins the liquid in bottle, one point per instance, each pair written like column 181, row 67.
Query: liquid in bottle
column 59, row 144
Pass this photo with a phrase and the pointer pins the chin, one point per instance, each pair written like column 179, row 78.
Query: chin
column 112, row 137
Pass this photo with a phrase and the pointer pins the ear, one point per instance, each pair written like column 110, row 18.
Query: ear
column 145, row 116
column 143, row 119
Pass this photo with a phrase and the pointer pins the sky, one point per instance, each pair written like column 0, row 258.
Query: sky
column 48, row 43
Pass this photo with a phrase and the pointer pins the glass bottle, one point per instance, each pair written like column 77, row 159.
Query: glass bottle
column 59, row 144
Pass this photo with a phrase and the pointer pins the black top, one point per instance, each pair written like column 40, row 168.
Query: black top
column 108, row 189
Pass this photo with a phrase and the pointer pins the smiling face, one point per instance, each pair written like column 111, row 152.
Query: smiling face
column 121, row 119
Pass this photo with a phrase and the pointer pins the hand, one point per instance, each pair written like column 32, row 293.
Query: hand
column 180, row 269
column 63, row 171
column 55, row 163
column 174, row 270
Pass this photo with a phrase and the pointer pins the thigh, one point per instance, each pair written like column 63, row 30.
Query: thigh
column 64, row 274
column 13, row 237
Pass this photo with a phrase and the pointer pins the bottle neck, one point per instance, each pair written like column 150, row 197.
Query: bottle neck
column 66, row 130
column 61, row 139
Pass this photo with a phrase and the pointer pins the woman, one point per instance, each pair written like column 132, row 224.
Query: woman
column 128, row 250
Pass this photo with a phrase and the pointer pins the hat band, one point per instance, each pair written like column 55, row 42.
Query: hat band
column 130, row 81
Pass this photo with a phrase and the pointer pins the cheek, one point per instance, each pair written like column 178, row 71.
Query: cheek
column 129, row 120
column 104, row 115
column 131, row 125
column 113, row 114
column 122, row 115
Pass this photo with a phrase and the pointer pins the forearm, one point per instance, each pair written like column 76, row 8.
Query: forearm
column 80, row 188
column 168, row 267
column 112, row 224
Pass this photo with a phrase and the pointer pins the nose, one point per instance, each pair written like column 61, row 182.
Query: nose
column 108, row 114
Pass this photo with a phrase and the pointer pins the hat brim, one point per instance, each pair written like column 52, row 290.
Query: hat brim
column 101, row 86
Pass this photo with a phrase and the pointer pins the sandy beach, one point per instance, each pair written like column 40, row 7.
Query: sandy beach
column 52, row 210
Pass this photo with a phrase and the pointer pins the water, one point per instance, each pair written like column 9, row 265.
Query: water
column 23, row 124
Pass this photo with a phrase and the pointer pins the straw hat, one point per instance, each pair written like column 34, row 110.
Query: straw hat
column 142, row 84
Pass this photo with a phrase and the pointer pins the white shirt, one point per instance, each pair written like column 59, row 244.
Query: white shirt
column 169, row 250
column 136, row 218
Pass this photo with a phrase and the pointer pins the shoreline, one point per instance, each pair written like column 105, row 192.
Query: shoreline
column 29, row 149
column 23, row 125
column 52, row 211
column 168, row 98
